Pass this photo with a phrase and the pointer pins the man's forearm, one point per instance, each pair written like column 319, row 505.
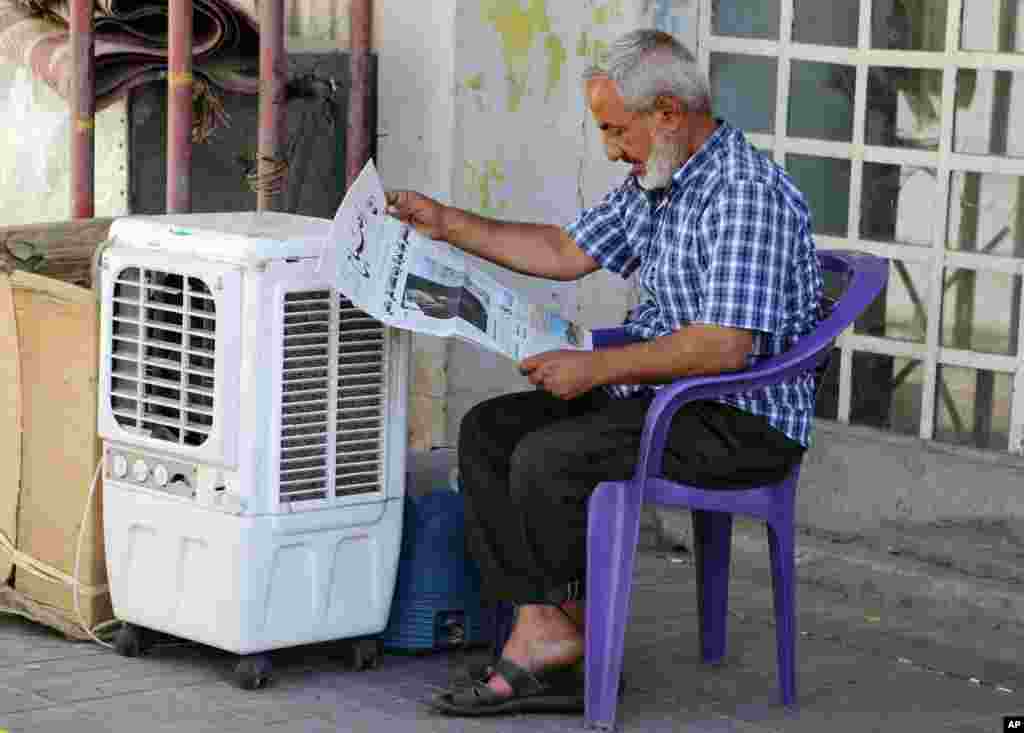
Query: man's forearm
column 532, row 249
column 690, row 351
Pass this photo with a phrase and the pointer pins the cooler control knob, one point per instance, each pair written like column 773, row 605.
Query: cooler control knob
column 119, row 465
column 140, row 471
column 160, row 475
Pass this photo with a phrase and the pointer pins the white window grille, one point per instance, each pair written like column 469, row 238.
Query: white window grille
column 916, row 123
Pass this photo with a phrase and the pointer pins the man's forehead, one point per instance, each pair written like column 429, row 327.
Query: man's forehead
column 606, row 102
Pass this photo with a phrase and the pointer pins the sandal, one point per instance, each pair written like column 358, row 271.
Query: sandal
column 557, row 691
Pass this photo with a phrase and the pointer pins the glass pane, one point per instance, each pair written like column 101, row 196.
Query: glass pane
column 825, row 183
column 827, row 22
column 904, row 107
column 821, row 101
column 902, row 313
column 992, row 25
column 909, row 25
column 886, row 393
column 986, row 102
column 746, row 18
column 892, row 200
column 980, row 311
column 986, row 214
column 973, row 407
column 743, row 88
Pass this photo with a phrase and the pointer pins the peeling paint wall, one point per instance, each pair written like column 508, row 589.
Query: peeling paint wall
column 35, row 172
column 525, row 148
column 417, row 50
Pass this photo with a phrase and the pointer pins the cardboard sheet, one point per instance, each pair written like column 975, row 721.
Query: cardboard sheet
column 57, row 355
column 10, row 424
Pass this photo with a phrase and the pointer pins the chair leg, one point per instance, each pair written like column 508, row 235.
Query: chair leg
column 712, row 540
column 781, row 544
column 613, row 529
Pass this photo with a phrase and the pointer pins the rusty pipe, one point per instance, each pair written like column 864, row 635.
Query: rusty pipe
column 179, row 107
column 273, row 68
column 359, row 135
column 83, row 111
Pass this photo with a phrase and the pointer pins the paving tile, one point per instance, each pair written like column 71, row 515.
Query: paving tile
column 50, row 720
column 13, row 700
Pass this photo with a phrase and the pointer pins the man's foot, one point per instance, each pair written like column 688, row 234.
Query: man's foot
column 536, row 671
column 544, row 638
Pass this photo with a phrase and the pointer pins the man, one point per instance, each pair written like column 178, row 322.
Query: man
column 722, row 241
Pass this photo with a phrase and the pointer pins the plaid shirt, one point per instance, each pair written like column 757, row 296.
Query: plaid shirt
column 727, row 243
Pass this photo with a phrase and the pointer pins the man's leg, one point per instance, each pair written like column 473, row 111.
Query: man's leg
column 527, row 514
column 534, row 518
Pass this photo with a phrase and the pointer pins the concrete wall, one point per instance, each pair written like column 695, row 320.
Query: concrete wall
column 525, row 148
column 35, row 173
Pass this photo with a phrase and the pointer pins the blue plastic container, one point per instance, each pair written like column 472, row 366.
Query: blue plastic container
column 437, row 593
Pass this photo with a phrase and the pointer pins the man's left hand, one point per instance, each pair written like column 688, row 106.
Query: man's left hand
column 565, row 374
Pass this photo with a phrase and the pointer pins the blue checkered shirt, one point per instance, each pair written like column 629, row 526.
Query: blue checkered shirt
column 727, row 243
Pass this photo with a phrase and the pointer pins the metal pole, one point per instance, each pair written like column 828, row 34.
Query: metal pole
column 179, row 107
column 360, row 136
column 83, row 109
column 273, row 68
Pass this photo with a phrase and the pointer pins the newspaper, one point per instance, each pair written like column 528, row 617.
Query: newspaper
column 409, row 281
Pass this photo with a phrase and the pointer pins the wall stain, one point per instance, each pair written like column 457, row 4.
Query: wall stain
column 480, row 180
column 519, row 28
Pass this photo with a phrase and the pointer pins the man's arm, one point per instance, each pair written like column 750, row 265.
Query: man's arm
column 542, row 250
column 691, row 351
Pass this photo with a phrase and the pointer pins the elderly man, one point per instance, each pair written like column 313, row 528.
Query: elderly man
column 722, row 241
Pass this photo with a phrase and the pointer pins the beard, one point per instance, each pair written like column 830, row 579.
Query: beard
column 665, row 159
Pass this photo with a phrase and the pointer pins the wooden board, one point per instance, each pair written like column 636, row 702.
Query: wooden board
column 61, row 250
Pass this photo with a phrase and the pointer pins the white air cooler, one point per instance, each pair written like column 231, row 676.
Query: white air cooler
column 254, row 427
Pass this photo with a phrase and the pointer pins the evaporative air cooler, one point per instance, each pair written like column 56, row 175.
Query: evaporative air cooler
column 254, row 427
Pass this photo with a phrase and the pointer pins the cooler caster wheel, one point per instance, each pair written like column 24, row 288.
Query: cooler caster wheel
column 364, row 654
column 253, row 673
column 131, row 641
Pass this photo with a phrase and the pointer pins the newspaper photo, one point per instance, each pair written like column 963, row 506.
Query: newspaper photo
column 409, row 281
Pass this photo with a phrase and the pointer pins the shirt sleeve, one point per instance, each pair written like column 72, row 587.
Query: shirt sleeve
column 750, row 233
column 600, row 231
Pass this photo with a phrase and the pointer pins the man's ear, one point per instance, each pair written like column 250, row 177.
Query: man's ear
column 669, row 109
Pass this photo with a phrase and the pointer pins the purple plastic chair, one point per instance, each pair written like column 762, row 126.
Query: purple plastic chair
column 614, row 509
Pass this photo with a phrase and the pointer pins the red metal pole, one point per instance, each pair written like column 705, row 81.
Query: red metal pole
column 273, row 67
column 359, row 135
column 83, row 110
column 179, row 107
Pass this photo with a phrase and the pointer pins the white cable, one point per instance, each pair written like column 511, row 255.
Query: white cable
column 78, row 562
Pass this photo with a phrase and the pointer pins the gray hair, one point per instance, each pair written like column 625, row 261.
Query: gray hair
column 645, row 64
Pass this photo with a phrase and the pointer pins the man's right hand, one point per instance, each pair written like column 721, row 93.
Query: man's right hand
column 423, row 213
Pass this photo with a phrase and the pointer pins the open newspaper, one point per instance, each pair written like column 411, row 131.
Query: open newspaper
column 409, row 281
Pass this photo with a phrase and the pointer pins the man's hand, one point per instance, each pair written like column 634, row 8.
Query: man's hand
column 425, row 214
column 565, row 374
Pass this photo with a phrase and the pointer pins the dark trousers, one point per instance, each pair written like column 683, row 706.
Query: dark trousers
column 528, row 462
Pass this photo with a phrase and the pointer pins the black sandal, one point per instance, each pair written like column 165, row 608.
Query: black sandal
column 557, row 691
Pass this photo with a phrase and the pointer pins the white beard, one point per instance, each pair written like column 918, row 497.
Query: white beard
column 664, row 161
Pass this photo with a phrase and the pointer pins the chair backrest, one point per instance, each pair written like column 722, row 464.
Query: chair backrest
column 864, row 276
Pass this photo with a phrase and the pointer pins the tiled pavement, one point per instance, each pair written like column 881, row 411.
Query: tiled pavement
column 861, row 669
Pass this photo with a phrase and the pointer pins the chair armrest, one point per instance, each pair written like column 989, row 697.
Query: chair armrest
column 608, row 337
column 669, row 399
